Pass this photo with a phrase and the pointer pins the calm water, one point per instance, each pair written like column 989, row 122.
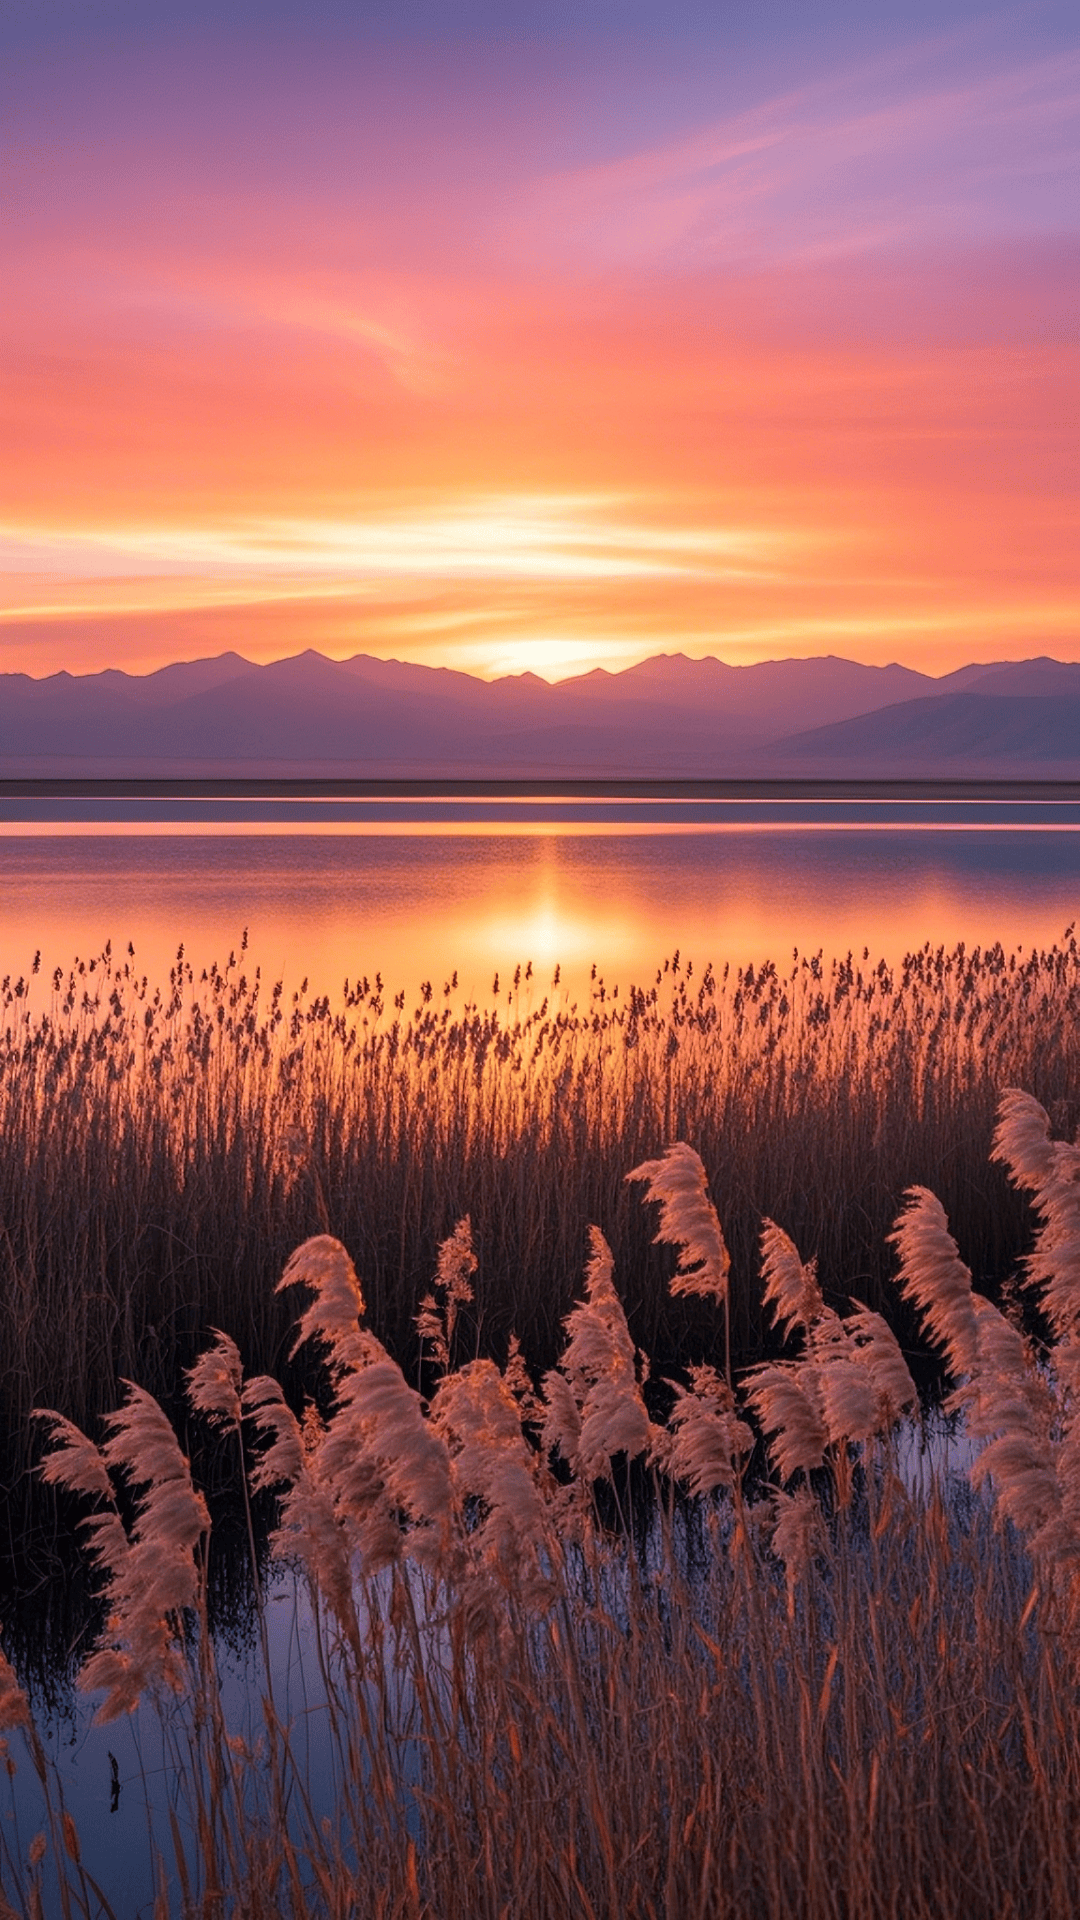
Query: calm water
column 416, row 889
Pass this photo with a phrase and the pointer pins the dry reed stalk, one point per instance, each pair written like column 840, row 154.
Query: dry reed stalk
column 706, row 1441
column 599, row 1366
column 141, row 1122
column 791, row 1287
column 624, row 1734
column 934, row 1276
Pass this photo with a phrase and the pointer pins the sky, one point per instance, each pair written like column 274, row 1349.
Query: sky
column 538, row 334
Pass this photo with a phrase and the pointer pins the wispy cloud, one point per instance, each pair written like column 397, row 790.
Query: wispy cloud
column 560, row 538
column 911, row 146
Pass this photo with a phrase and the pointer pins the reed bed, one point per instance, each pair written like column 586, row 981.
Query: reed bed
column 143, row 1122
column 578, row 1659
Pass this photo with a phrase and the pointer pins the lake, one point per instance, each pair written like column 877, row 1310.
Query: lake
column 416, row 887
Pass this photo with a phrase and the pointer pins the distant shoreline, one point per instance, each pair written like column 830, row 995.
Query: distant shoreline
column 561, row 788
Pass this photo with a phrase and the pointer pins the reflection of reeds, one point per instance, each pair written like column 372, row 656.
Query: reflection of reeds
column 141, row 1126
column 766, row 1700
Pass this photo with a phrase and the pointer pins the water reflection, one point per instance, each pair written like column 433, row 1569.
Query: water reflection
column 416, row 904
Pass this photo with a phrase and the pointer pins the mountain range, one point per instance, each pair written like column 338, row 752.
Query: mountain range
column 667, row 717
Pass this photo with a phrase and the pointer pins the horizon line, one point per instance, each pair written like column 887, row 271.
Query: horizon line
column 530, row 674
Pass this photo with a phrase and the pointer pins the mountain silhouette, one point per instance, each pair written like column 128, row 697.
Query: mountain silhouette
column 668, row 716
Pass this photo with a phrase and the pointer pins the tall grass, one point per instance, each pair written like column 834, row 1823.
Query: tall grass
column 142, row 1123
column 848, row 1692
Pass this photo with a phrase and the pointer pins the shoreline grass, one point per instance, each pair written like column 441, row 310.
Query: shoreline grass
column 142, row 1122
column 851, row 1693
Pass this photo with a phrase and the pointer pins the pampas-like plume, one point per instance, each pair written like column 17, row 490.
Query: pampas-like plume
column 798, row 1533
column 323, row 1266
column 849, row 1403
column 1050, row 1171
column 378, row 1452
column 787, row 1401
column 477, row 1415
column 378, row 1424
column 75, row 1463
column 706, row 1441
column 215, row 1382
column 1022, row 1141
column 688, row 1220
column 282, row 1462
column 791, row 1287
column 456, row 1265
column 518, row 1379
column 561, row 1431
column 878, row 1351
column 1009, row 1406
column 598, row 1364
column 934, row 1276
column 310, row 1532
column 453, row 1276
column 153, row 1577
column 14, row 1705
column 308, row 1529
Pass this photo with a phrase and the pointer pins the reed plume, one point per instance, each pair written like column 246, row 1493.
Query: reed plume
column 798, row 1534
column 379, row 1448
column 215, row 1383
column 477, row 1416
column 791, row 1287
column 1010, row 1408
column 76, row 1464
column 934, row 1276
column 324, row 1268
column 598, row 1366
column 1050, row 1171
column 678, row 1183
column 879, row 1352
column 850, row 1406
column 706, row 1441
column 378, row 1454
column 787, row 1399
column 153, row 1575
column 282, row 1461
column 437, row 1317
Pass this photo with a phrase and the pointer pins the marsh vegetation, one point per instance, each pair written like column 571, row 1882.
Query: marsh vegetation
column 165, row 1146
column 579, row 1659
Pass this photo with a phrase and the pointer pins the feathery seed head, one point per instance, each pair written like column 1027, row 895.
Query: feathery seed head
column 934, row 1276
column 879, row 1352
column 1050, row 1172
column 688, row 1220
column 848, row 1400
column 456, row 1264
column 798, row 1534
column 1022, row 1141
column 791, row 1287
column 281, row 1463
column 706, row 1441
column 478, row 1417
column 323, row 1266
column 75, row 1462
column 787, row 1400
column 562, row 1418
column 215, row 1382
column 599, row 1364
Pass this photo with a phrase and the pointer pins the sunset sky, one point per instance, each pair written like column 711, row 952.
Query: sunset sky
column 538, row 333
